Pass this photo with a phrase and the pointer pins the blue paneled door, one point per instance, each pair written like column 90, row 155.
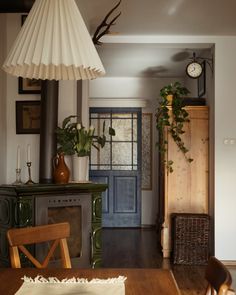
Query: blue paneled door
column 119, row 165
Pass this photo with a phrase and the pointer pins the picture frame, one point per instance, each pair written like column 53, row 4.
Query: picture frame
column 28, row 86
column 28, row 117
column 23, row 18
column 146, row 151
column 201, row 85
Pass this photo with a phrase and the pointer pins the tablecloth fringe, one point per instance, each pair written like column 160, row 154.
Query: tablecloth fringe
column 41, row 279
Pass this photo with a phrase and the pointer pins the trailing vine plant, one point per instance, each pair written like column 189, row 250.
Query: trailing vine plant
column 172, row 123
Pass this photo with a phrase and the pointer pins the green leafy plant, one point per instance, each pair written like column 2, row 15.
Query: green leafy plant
column 74, row 138
column 172, row 123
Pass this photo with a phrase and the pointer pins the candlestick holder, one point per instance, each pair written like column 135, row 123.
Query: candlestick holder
column 18, row 177
column 30, row 181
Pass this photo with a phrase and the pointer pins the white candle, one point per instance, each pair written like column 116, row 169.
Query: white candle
column 28, row 153
column 18, row 157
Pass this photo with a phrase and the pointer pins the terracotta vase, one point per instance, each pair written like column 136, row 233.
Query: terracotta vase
column 61, row 172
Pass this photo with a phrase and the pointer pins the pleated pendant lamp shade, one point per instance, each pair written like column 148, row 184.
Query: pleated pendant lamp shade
column 54, row 44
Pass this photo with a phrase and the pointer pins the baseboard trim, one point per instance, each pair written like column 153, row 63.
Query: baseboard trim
column 143, row 226
column 150, row 226
column 229, row 262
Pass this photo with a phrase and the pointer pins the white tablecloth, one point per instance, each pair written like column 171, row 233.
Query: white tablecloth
column 53, row 286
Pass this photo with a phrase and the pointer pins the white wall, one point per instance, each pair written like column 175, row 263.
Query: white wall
column 128, row 87
column 225, row 155
column 191, row 84
column 131, row 93
column 2, row 101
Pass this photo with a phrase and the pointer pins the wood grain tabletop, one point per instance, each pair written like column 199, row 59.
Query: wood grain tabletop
column 139, row 281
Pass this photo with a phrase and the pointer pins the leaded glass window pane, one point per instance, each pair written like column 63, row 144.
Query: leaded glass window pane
column 120, row 151
column 123, row 129
column 101, row 156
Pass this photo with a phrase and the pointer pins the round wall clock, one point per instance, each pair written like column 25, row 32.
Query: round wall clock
column 194, row 69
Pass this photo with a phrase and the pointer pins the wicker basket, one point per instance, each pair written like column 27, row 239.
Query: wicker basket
column 190, row 238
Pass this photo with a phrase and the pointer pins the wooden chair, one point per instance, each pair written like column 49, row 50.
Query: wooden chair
column 58, row 232
column 218, row 277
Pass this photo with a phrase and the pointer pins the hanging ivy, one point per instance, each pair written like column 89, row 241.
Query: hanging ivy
column 172, row 123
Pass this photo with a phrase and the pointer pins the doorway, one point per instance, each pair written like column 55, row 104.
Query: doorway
column 119, row 165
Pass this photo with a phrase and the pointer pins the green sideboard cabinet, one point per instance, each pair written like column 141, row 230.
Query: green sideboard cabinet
column 29, row 205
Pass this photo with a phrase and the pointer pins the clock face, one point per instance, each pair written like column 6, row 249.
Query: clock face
column 194, row 69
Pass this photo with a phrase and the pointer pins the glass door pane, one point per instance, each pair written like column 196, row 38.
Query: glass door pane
column 120, row 151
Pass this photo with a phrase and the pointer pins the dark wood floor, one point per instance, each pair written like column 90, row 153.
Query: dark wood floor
column 138, row 248
column 130, row 248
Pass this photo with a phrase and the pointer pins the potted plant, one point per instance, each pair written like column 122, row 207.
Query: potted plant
column 74, row 139
column 172, row 120
column 65, row 137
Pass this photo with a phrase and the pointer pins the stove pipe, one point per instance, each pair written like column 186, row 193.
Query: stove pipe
column 48, row 124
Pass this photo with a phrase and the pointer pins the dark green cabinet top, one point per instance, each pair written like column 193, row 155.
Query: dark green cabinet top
column 35, row 189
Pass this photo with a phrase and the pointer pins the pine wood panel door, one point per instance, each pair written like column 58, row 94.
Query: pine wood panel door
column 186, row 189
column 119, row 165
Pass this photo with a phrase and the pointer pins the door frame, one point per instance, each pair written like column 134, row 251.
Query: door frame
column 102, row 175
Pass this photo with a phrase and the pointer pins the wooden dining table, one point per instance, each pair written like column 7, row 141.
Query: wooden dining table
column 139, row 281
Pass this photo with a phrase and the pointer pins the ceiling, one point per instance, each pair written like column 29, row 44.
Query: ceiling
column 153, row 17
column 157, row 17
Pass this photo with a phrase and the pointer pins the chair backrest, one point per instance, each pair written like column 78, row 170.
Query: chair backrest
column 218, row 277
column 58, row 232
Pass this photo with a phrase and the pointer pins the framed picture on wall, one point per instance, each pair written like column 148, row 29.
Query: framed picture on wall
column 201, row 81
column 27, row 117
column 147, row 151
column 23, row 18
column 28, row 86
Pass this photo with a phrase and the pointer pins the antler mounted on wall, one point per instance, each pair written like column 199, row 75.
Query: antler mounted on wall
column 104, row 27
